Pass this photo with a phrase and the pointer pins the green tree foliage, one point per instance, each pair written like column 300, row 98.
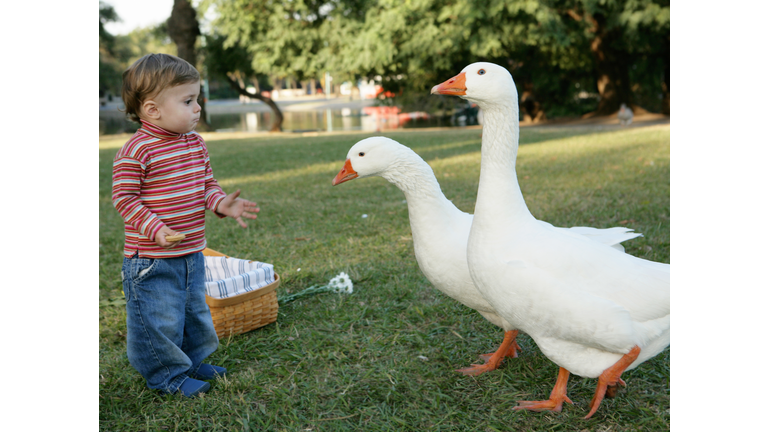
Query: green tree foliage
column 280, row 39
column 233, row 65
column 117, row 52
column 562, row 53
column 288, row 38
column 429, row 41
column 142, row 41
column 625, row 35
column 109, row 72
column 107, row 14
column 647, row 27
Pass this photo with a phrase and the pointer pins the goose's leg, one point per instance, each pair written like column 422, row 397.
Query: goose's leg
column 492, row 361
column 511, row 351
column 611, row 377
column 556, row 398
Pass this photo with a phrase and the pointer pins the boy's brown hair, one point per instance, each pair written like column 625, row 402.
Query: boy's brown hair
column 151, row 74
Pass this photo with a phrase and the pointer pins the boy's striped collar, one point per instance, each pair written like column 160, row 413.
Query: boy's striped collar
column 157, row 131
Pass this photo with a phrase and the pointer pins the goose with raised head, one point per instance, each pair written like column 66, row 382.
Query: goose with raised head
column 440, row 231
column 591, row 310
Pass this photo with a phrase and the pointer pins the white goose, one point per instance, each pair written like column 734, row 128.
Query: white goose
column 591, row 310
column 440, row 230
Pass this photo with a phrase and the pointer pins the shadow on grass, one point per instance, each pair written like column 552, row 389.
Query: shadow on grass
column 259, row 156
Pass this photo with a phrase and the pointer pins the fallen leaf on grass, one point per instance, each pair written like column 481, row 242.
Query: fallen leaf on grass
column 119, row 301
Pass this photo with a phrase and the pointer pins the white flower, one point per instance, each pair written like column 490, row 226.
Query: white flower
column 341, row 283
column 365, row 216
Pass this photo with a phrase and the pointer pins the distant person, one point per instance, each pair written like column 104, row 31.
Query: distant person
column 161, row 185
column 625, row 115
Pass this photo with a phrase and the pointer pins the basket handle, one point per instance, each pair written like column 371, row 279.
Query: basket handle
column 174, row 238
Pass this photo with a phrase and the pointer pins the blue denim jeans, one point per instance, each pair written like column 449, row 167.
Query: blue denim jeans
column 170, row 331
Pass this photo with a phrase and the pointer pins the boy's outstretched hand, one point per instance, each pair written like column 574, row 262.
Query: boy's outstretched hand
column 237, row 208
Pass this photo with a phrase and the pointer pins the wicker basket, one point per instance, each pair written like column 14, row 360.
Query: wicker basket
column 244, row 312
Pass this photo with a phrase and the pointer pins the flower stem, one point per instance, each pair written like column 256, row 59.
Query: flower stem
column 315, row 289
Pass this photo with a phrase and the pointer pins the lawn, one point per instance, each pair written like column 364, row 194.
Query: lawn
column 383, row 357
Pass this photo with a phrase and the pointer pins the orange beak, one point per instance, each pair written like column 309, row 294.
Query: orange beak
column 455, row 86
column 346, row 173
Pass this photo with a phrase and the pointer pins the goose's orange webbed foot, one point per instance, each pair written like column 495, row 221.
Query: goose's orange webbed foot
column 508, row 348
column 612, row 377
column 556, row 398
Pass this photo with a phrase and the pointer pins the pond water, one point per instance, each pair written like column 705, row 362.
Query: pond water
column 345, row 119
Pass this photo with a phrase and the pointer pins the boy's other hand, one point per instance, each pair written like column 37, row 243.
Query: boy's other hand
column 162, row 234
column 237, row 208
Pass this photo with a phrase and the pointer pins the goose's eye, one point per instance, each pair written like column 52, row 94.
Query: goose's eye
column 481, row 72
column 361, row 154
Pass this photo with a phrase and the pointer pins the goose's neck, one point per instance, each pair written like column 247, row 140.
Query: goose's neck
column 422, row 192
column 499, row 191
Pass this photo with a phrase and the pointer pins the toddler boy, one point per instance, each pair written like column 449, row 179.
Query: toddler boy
column 161, row 185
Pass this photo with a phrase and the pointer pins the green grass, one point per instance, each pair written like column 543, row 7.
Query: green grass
column 335, row 362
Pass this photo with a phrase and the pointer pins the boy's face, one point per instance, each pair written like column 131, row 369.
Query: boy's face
column 175, row 109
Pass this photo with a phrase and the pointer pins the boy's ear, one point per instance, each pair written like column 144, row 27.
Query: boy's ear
column 151, row 109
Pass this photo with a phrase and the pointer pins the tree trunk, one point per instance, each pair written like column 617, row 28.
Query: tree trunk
column 183, row 28
column 532, row 111
column 611, row 69
column 277, row 125
column 665, row 82
column 255, row 83
column 665, row 90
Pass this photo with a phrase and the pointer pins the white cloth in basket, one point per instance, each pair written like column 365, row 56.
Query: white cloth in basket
column 228, row 277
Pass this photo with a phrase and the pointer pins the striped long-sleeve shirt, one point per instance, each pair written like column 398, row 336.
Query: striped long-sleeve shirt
column 163, row 178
